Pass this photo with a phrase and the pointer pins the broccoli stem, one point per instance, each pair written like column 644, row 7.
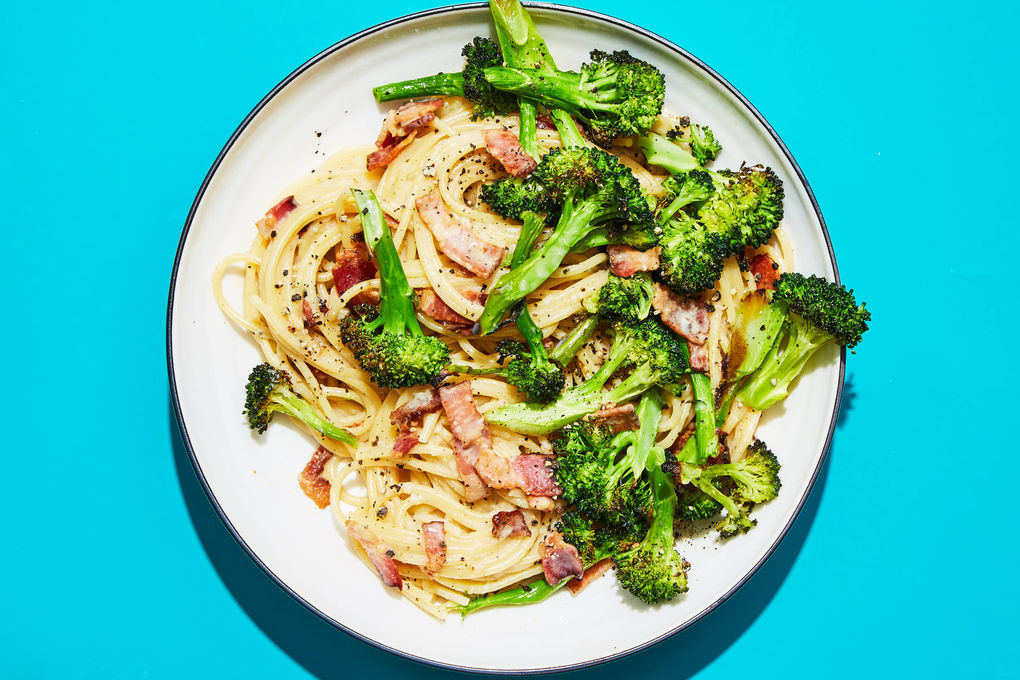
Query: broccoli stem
column 524, row 47
column 536, row 591
column 397, row 298
column 649, row 413
column 286, row 401
column 704, row 415
column 771, row 382
column 532, row 334
column 571, row 343
column 661, row 151
column 451, row 84
column 514, row 286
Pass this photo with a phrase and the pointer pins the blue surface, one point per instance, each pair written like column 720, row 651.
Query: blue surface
column 903, row 563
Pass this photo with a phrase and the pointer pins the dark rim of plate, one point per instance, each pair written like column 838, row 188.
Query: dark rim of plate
column 587, row 14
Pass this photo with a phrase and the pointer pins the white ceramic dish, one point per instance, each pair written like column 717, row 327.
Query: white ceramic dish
column 251, row 481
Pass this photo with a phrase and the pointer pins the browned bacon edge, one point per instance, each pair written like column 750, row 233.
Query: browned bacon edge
column 379, row 555
column 560, row 560
column 591, row 574
column 765, row 271
column 311, row 481
column 267, row 225
column 509, row 524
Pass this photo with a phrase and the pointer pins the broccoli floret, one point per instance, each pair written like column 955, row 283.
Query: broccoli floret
column 614, row 94
column 682, row 189
column 390, row 344
column 747, row 204
column 270, row 391
column 537, row 378
column 703, row 144
column 622, row 299
column 596, row 541
column 693, row 504
column 479, row 54
column 692, row 256
column 511, row 197
column 593, row 187
column 753, row 479
column 817, row 312
column 653, row 571
column 659, row 356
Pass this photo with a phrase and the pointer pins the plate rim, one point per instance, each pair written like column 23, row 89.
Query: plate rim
column 179, row 416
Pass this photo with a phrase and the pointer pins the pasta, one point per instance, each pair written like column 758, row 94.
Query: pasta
column 290, row 306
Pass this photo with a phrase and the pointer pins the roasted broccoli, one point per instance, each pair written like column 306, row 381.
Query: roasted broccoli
column 817, row 312
column 389, row 342
column 623, row 299
column 592, row 187
column 537, row 378
column 735, row 487
column 659, row 357
column 479, row 54
column 511, row 197
column 691, row 256
column 270, row 391
column 614, row 94
column 703, row 144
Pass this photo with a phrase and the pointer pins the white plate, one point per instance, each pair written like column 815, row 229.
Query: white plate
column 252, row 481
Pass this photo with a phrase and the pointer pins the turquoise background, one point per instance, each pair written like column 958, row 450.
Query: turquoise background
column 904, row 561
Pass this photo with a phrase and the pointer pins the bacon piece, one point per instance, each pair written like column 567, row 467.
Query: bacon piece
column 765, row 272
column 591, row 574
column 541, row 503
column 414, row 115
column 309, row 313
column 434, row 536
column 379, row 555
column 471, row 436
column 404, row 442
column 432, row 305
column 699, row 358
column 311, row 481
column 617, row 418
column 534, row 476
column 506, row 148
column 509, row 524
column 354, row 265
column 560, row 559
column 626, row 261
column 383, row 156
column 421, row 403
column 456, row 240
column 544, row 123
column 267, row 225
column 685, row 316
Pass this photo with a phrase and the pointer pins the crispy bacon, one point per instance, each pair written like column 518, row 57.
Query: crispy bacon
column 422, row 402
column 506, row 148
column 379, row 555
column 456, row 240
column 626, row 261
column 383, row 156
column 534, row 476
column 544, row 123
column 560, row 559
column 509, row 524
column 765, row 272
column 685, row 316
column 617, row 418
column 414, row 115
column 591, row 574
column 267, row 225
column 432, row 305
column 311, row 481
column 471, row 436
column 434, row 536
column 404, row 442
column 309, row 313
column 699, row 357
column 353, row 265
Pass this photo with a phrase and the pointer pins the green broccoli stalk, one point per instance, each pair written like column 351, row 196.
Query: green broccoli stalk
column 614, row 94
column 480, row 53
column 270, row 391
column 523, row 47
column 594, row 188
column 659, row 356
column 530, row 593
column 818, row 312
column 571, row 343
column 753, row 479
column 653, row 571
column 389, row 344
column 758, row 326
